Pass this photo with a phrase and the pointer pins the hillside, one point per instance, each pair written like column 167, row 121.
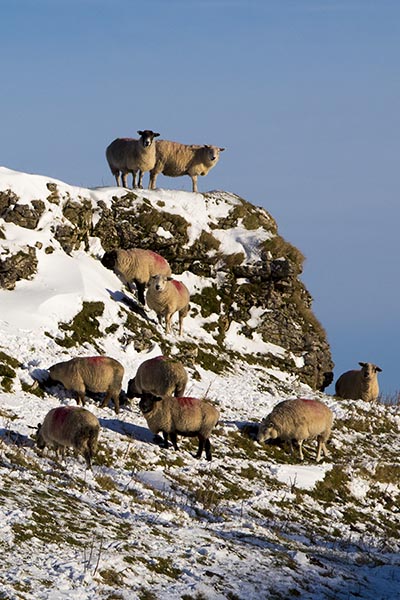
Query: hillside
column 147, row 522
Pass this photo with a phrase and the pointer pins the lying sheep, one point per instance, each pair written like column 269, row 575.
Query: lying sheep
column 174, row 159
column 70, row 426
column 298, row 420
column 189, row 417
column 136, row 265
column 126, row 155
column 160, row 376
column 98, row 374
column 361, row 383
column 167, row 296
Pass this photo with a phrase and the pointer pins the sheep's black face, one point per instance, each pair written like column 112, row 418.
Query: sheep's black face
column 147, row 136
column 108, row 259
column 39, row 439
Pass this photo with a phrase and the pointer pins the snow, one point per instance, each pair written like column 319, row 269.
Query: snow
column 155, row 520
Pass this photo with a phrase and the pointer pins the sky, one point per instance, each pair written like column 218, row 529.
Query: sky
column 303, row 95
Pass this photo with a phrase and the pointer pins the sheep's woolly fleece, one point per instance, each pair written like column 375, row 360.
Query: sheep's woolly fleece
column 150, row 523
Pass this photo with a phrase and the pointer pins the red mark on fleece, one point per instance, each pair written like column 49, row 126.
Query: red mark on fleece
column 312, row 403
column 187, row 401
column 156, row 359
column 157, row 258
column 178, row 285
column 61, row 413
column 96, row 359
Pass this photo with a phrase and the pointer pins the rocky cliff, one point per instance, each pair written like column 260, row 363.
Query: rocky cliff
column 245, row 278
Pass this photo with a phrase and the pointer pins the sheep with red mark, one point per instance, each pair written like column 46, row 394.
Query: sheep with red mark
column 298, row 420
column 98, row 374
column 160, row 376
column 127, row 155
column 174, row 159
column 69, row 426
column 189, row 417
column 167, row 296
column 136, row 265
column 359, row 383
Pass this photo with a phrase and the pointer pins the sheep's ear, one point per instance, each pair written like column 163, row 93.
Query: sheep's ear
column 169, row 278
column 378, row 369
column 221, row 149
column 362, row 364
column 140, row 132
column 156, row 135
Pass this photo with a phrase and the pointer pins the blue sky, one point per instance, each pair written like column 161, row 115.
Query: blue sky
column 304, row 94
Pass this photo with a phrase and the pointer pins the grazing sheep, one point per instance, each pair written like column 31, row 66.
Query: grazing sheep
column 98, row 374
column 70, row 426
column 126, row 155
column 298, row 420
column 160, row 376
column 136, row 265
column 189, row 417
column 174, row 159
column 167, row 296
column 361, row 383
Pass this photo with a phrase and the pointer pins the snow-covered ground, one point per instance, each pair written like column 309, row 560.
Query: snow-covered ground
column 151, row 523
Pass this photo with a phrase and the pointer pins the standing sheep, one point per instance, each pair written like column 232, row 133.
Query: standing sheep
column 359, row 383
column 136, row 265
column 167, row 296
column 98, row 374
column 70, row 426
column 126, row 155
column 160, row 376
column 189, row 417
column 174, row 160
column 298, row 420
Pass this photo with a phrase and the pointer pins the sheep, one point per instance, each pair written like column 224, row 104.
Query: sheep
column 299, row 419
column 174, row 159
column 127, row 155
column 361, row 383
column 189, row 417
column 166, row 296
column 160, row 376
column 69, row 426
column 136, row 265
column 99, row 374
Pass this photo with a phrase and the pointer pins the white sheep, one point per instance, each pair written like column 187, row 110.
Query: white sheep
column 359, row 383
column 174, row 160
column 98, row 374
column 136, row 265
column 184, row 416
column 298, row 420
column 127, row 155
column 69, row 426
column 160, row 376
column 167, row 296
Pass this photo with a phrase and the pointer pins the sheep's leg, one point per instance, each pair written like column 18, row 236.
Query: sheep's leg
column 106, row 400
column 165, row 436
column 134, row 179
column 301, row 449
column 200, row 448
column 88, row 457
column 194, row 183
column 152, row 180
column 115, row 398
column 140, row 180
column 321, row 449
column 207, row 447
column 117, row 178
column 168, row 323
column 80, row 397
column 173, row 438
column 140, row 290
column 124, row 179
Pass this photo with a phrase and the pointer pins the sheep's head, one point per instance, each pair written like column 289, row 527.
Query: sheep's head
column 39, row 438
column 147, row 402
column 147, row 136
column 369, row 370
column 109, row 259
column 266, row 431
column 213, row 153
column 159, row 282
